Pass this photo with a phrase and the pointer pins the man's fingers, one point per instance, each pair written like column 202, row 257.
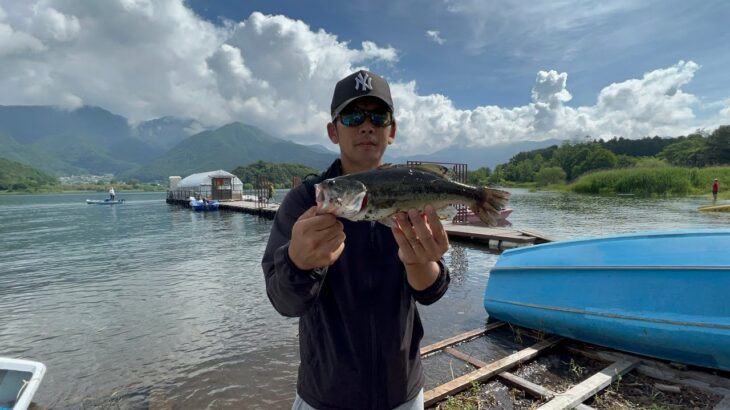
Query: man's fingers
column 312, row 211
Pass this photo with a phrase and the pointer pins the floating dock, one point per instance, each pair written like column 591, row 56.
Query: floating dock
column 493, row 237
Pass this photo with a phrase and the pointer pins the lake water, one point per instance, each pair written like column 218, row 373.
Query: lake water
column 147, row 304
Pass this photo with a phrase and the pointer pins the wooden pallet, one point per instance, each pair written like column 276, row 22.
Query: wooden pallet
column 619, row 364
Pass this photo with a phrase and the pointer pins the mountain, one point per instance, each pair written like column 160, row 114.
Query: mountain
column 226, row 148
column 476, row 157
column 85, row 140
column 166, row 132
column 19, row 177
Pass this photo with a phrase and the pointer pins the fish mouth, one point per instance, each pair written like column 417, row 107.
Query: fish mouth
column 344, row 201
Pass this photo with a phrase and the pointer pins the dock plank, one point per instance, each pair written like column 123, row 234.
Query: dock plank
column 592, row 385
column 460, row 383
column 464, row 337
column 531, row 388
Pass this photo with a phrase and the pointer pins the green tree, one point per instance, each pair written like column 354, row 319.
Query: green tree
column 718, row 146
column 550, row 175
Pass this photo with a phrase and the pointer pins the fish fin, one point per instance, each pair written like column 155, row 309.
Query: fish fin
column 489, row 205
column 433, row 168
column 436, row 169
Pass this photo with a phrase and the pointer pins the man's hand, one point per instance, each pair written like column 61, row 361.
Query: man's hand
column 422, row 241
column 421, row 238
column 316, row 240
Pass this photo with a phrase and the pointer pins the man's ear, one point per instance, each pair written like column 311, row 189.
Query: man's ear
column 332, row 133
column 391, row 136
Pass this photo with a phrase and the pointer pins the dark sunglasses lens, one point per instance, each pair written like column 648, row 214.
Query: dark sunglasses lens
column 352, row 120
column 380, row 119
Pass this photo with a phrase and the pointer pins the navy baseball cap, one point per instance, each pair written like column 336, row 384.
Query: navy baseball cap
column 359, row 84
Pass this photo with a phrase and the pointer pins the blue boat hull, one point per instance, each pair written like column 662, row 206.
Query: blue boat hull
column 199, row 206
column 664, row 295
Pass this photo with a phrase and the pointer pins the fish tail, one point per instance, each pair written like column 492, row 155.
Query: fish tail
column 490, row 202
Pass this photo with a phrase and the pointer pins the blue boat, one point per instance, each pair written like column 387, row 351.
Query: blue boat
column 203, row 206
column 660, row 294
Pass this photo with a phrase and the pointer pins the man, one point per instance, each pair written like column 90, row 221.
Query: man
column 112, row 194
column 354, row 285
column 715, row 189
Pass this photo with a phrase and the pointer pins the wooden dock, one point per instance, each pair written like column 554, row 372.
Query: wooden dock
column 493, row 237
column 618, row 364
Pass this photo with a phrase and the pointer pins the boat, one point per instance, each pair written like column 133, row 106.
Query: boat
column 473, row 219
column 659, row 294
column 715, row 208
column 19, row 381
column 104, row 201
column 199, row 205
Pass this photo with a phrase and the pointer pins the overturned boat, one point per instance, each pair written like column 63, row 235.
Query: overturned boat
column 660, row 294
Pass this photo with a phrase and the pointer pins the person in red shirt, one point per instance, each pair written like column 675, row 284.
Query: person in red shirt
column 715, row 188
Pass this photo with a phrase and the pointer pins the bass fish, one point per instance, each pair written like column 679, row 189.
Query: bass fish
column 378, row 194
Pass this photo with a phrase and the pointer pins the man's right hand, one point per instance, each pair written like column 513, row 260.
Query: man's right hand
column 316, row 240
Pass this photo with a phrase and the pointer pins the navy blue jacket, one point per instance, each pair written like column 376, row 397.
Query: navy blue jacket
column 359, row 329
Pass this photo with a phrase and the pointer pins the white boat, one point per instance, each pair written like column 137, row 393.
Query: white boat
column 19, row 381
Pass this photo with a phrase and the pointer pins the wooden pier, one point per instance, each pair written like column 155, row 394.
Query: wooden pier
column 493, row 237
column 673, row 379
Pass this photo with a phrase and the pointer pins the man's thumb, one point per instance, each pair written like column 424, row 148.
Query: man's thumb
column 308, row 213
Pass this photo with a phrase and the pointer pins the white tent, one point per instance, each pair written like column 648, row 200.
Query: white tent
column 212, row 184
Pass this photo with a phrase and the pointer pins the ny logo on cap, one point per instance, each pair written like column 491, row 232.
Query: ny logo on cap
column 364, row 81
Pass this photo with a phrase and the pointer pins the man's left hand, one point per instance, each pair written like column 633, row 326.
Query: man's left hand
column 420, row 237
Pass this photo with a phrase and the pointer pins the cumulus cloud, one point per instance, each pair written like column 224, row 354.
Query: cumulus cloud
column 435, row 36
column 145, row 59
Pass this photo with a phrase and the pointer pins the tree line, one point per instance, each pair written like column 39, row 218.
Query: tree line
column 567, row 162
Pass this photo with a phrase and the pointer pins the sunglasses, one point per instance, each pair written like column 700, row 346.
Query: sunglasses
column 357, row 117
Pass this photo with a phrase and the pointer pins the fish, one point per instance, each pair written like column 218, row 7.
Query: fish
column 378, row 194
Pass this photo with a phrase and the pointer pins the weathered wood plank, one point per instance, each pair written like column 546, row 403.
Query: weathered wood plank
column 529, row 387
column 658, row 370
column 592, row 385
column 460, row 383
column 464, row 337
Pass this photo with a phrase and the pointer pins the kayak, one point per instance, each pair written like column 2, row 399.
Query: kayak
column 19, row 381
column 202, row 206
column 104, row 201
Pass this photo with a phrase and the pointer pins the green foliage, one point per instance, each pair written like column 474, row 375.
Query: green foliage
column 687, row 151
column 15, row 176
column 718, row 146
column 280, row 174
column 480, row 177
column 650, row 162
column 645, row 147
column 549, row 176
column 665, row 181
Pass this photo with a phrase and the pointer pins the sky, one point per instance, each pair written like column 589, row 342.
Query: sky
column 462, row 72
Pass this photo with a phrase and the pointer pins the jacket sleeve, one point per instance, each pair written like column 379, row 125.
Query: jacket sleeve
column 292, row 291
column 434, row 292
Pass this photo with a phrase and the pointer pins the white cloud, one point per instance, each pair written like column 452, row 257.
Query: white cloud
column 145, row 59
column 435, row 36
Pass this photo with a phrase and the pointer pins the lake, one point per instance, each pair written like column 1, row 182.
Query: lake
column 148, row 304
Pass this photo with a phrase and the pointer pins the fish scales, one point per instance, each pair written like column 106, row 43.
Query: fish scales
column 378, row 194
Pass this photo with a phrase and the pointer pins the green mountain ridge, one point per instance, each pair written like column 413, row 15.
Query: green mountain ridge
column 15, row 176
column 227, row 147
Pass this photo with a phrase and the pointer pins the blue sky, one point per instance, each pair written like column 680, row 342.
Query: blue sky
column 491, row 50
column 465, row 72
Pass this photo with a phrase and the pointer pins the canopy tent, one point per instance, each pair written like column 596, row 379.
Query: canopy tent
column 218, row 184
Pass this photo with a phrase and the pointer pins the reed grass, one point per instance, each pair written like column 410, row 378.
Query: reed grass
column 654, row 181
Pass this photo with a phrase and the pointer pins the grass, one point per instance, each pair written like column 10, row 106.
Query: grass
column 654, row 181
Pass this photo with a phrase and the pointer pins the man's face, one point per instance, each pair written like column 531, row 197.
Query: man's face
column 361, row 146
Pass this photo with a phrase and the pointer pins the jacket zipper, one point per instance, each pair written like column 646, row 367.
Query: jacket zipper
column 373, row 331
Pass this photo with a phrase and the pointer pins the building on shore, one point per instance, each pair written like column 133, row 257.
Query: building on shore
column 219, row 185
